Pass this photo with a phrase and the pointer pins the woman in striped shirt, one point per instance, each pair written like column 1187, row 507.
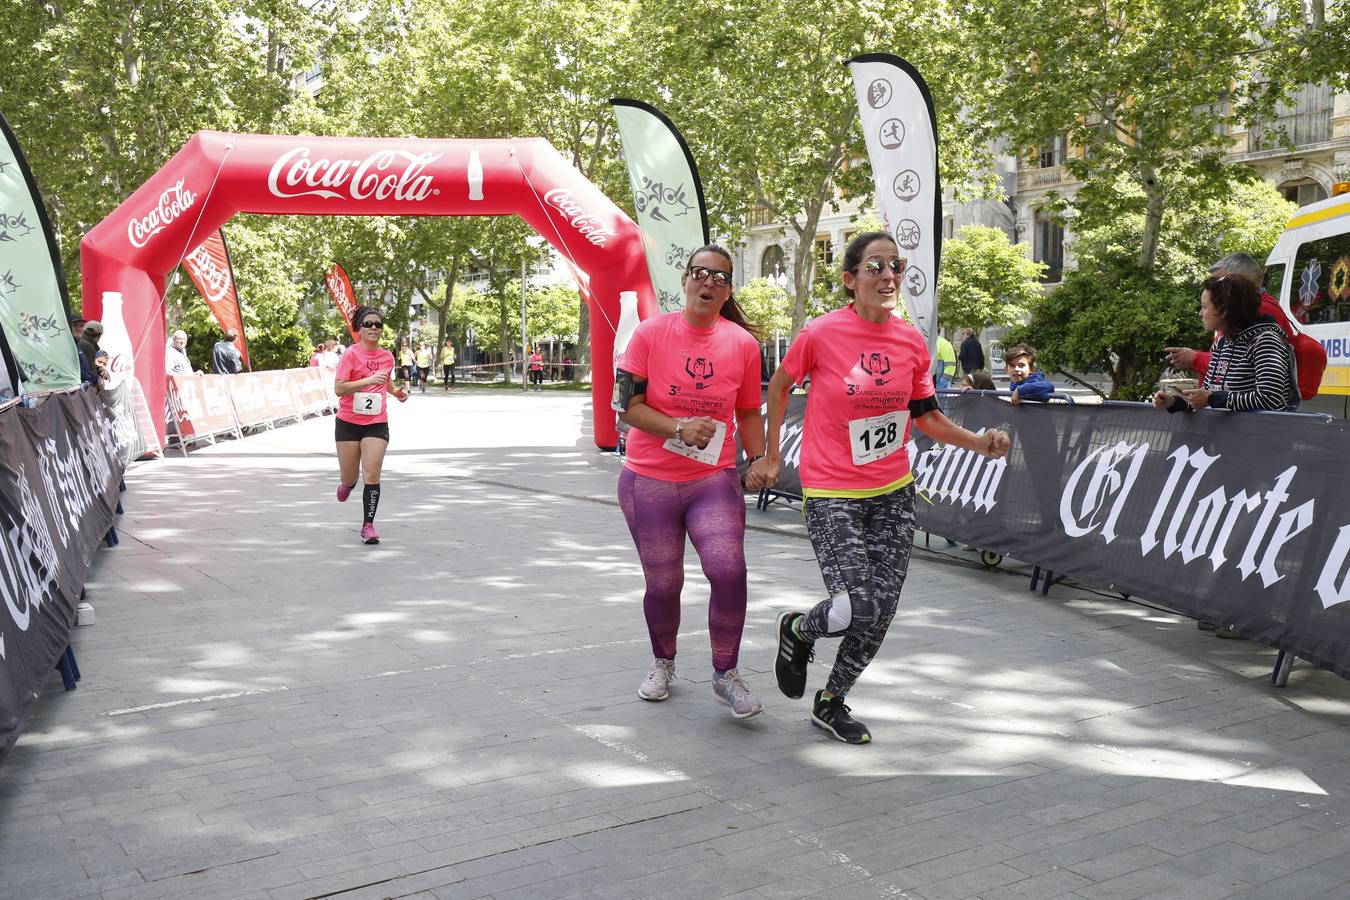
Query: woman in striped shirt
column 1251, row 366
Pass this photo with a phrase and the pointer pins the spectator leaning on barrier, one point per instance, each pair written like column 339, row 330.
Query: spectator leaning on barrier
column 946, row 364
column 1310, row 358
column 972, row 354
column 1025, row 382
column 176, row 360
column 225, row 356
column 1251, row 366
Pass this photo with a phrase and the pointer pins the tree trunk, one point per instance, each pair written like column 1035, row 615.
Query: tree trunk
column 1153, row 215
column 501, row 323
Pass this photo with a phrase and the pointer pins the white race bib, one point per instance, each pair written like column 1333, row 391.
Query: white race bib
column 878, row 437
column 367, row 403
column 709, row 455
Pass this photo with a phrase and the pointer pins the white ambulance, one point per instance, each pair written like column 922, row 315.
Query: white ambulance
column 1309, row 271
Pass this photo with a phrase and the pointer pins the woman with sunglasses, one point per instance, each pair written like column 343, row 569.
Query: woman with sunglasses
column 365, row 375
column 869, row 372
column 686, row 381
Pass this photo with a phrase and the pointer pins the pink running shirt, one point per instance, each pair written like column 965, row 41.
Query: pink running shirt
column 859, row 370
column 690, row 372
column 358, row 363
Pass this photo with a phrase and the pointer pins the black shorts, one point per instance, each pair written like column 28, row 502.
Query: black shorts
column 350, row 431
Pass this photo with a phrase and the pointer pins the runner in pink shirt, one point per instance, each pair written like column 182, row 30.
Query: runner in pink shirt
column 686, row 381
column 869, row 379
column 363, row 380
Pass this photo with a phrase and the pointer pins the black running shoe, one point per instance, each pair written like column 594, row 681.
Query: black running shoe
column 793, row 654
column 833, row 716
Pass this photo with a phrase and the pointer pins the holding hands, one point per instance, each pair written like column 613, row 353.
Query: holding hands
column 763, row 473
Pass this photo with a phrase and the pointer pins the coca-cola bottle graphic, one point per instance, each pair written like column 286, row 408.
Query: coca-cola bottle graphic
column 475, row 176
column 116, row 340
column 628, row 323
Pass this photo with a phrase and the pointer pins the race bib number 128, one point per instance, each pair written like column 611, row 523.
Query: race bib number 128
column 877, row 437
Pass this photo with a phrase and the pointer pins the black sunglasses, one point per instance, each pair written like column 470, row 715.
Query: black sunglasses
column 372, row 324
column 715, row 277
column 874, row 264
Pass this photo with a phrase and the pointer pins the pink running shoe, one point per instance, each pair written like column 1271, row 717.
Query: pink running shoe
column 368, row 533
column 344, row 491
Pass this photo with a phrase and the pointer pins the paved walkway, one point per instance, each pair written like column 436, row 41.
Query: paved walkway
column 271, row 709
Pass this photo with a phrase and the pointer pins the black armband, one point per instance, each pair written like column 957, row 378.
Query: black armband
column 626, row 387
column 920, row 408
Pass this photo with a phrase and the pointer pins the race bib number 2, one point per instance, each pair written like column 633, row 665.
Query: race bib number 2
column 877, row 437
column 367, row 403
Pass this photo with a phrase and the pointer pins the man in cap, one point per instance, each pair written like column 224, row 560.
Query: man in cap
column 88, row 374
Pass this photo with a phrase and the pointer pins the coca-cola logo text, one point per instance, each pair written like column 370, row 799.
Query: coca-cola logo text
column 337, row 286
column 210, row 277
column 172, row 203
column 383, row 175
column 590, row 226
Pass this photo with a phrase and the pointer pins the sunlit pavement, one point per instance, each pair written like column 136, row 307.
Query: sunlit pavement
column 272, row 709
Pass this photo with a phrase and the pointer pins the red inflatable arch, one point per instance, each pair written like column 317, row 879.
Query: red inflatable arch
column 217, row 175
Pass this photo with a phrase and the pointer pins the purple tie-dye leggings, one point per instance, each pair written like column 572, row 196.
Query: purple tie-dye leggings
column 712, row 512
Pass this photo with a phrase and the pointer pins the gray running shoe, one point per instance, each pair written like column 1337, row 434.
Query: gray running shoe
column 732, row 691
column 656, row 686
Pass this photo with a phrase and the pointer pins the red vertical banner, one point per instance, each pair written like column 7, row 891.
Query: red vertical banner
column 209, row 268
column 340, row 286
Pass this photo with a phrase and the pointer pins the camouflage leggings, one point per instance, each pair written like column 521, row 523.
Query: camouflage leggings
column 863, row 546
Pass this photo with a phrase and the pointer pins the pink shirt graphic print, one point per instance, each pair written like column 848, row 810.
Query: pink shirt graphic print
column 357, row 363
column 691, row 372
column 863, row 377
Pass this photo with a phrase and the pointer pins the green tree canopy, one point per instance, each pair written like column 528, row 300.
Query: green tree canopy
column 985, row 280
column 1112, row 314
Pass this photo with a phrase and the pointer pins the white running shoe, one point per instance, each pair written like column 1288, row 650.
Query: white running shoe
column 732, row 691
column 656, row 686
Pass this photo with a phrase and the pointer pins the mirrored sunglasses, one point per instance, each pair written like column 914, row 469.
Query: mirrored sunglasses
column 714, row 277
column 873, row 265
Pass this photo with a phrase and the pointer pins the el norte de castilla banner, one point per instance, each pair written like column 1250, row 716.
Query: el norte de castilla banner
column 1242, row 519
column 60, row 468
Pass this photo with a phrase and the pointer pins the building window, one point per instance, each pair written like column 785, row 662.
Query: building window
column 1052, row 154
column 1048, row 247
column 1303, row 192
column 772, row 264
column 1305, row 119
column 824, row 256
column 760, row 215
column 949, row 227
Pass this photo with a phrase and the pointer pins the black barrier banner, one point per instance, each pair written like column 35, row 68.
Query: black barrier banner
column 1242, row 519
column 59, row 474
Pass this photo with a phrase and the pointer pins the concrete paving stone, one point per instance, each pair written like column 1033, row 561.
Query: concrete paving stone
column 1130, row 859
column 1249, row 866
column 1307, row 883
column 974, row 883
column 1139, row 883
column 1055, row 883
column 1211, row 887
